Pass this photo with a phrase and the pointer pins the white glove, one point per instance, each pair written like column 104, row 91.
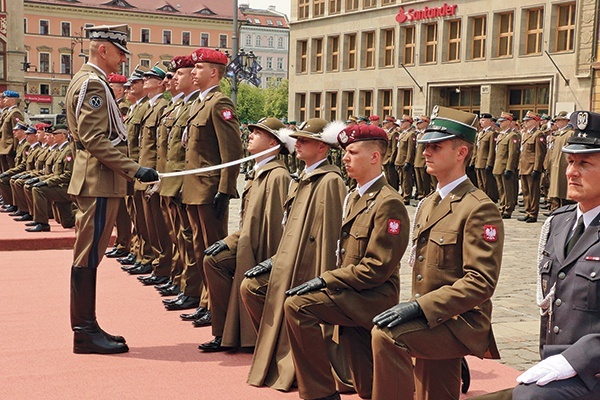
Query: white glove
column 553, row 368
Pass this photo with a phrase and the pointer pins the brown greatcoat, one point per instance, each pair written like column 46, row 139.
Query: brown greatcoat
column 257, row 240
column 307, row 249
column 558, row 164
column 533, row 151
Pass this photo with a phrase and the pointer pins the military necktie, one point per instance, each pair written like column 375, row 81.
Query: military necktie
column 577, row 232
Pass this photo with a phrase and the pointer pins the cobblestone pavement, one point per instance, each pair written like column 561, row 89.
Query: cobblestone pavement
column 515, row 316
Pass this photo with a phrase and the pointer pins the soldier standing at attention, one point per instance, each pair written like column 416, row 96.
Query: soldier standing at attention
column 533, row 152
column 557, row 192
column 505, row 165
column 8, row 145
column 422, row 178
column 485, row 153
column 389, row 168
column 456, row 255
column 405, row 157
column 99, row 179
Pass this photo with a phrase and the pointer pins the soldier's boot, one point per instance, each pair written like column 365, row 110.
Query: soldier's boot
column 88, row 336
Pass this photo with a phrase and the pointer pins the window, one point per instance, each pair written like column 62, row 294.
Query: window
column 302, row 56
column 318, row 8
column 301, row 106
column 3, row 60
column 145, row 36
column 269, row 22
column 24, row 25
column 369, row 3
column 388, row 47
column 453, row 40
column 351, row 5
column 44, row 62
column 316, row 103
column 44, row 27
column 335, row 6
column 185, row 38
column 535, row 24
column 145, row 62
column 166, row 37
column 317, row 51
column 430, row 43
column 348, row 103
column 223, row 41
column 63, row 90
column 248, row 40
column 65, row 29
column 386, row 102
column 269, row 63
column 369, row 50
column 366, row 102
column 258, row 41
column 279, row 23
column 505, row 34
column 387, row 2
column 479, row 35
column 125, row 66
column 465, row 98
column 270, row 42
column 280, row 43
column 331, row 104
column 409, row 45
column 87, row 32
column 350, row 50
column 44, row 88
column 303, row 9
column 565, row 27
column 44, row 110
column 279, row 62
column 65, row 64
column 530, row 97
column 334, row 53
column 204, row 39
column 257, row 21
column 405, row 101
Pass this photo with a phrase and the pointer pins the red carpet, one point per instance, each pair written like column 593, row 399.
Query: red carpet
column 36, row 341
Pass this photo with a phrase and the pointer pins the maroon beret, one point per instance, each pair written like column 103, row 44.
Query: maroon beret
column 357, row 133
column 374, row 118
column 209, row 55
column 116, row 78
column 181, row 62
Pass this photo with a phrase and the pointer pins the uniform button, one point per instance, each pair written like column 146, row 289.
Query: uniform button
column 439, row 320
column 558, row 302
column 419, row 278
column 562, row 275
column 442, row 240
column 422, row 240
column 420, row 258
column 418, row 225
column 343, row 251
column 593, row 274
column 312, row 238
column 344, row 234
column 556, row 329
column 417, row 296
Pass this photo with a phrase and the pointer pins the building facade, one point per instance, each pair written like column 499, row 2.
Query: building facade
column 55, row 42
column 12, row 47
column 266, row 33
column 393, row 57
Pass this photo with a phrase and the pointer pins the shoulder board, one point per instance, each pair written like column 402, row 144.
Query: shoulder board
column 564, row 209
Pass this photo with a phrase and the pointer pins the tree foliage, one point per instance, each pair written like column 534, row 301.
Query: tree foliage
column 255, row 103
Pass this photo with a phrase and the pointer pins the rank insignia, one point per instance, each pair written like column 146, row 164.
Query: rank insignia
column 95, row 102
column 227, row 114
column 393, row 227
column 490, row 233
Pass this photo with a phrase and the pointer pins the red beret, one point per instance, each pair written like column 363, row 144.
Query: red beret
column 357, row 133
column 116, row 78
column 181, row 62
column 374, row 118
column 209, row 55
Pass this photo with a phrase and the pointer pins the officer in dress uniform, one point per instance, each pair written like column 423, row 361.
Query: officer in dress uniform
column 422, row 178
column 557, row 191
column 505, row 165
column 533, row 152
column 485, row 154
column 20, row 163
column 389, row 168
column 405, row 158
column 568, row 290
column 456, row 255
column 11, row 115
column 99, row 179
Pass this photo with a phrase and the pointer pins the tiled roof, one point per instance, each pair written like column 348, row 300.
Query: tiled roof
column 264, row 18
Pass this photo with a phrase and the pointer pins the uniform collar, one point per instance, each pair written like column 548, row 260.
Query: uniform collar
column 311, row 168
column 445, row 191
column 363, row 189
column 588, row 216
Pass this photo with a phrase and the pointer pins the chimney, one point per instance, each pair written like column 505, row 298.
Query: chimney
column 272, row 8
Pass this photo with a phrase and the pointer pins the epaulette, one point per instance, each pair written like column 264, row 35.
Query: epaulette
column 564, row 209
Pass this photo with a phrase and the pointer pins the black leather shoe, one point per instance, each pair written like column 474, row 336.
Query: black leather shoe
column 523, row 219
column 32, row 223
column 154, row 280
column 9, row 209
column 127, row 268
column 141, row 270
column 530, row 220
column 505, row 216
column 86, row 342
column 174, row 299
column 128, row 260
column 213, row 346
column 17, row 213
column 465, row 376
column 195, row 315
column 205, row 320
column 117, row 253
column 164, row 285
column 172, row 290
column 184, row 303
column 335, row 396
column 39, row 228
column 24, row 217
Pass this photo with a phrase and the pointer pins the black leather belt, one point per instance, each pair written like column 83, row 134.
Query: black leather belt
column 79, row 146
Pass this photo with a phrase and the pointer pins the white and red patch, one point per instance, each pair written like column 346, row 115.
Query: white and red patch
column 227, row 114
column 69, row 158
column 393, row 227
column 490, row 233
column 514, row 140
column 542, row 139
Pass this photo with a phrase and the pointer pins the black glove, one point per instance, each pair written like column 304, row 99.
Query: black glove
column 262, row 268
column 216, row 248
column 310, row 286
column 4, row 174
column 508, row 174
column 489, row 169
column 32, row 181
column 221, row 203
column 40, row 184
column 398, row 314
column 146, row 175
column 24, row 176
column 406, row 166
column 536, row 174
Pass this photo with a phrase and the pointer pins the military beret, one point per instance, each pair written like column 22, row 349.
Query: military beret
column 359, row 133
column 41, row 126
column 448, row 123
column 116, row 34
column 586, row 138
column 181, row 62
column 20, row 125
column 116, row 78
column 11, row 94
column 157, row 71
column 209, row 55
column 374, row 118
column 532, row 115
column 59, row 128
column 486, row 115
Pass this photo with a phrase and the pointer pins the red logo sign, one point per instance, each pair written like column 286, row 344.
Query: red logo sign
column 393, row 226
column 426, row 13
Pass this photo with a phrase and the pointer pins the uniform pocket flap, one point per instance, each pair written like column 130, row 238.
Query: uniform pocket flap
column 359, row 232
column 443, row 238
column 589, row 271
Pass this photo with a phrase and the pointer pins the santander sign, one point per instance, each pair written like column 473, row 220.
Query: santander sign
column 425, row 13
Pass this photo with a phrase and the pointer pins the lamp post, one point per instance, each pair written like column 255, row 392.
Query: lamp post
column 76, row 38
column 243, row 67
column 27, row 102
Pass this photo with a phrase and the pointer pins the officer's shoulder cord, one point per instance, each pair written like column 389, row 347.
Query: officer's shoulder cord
column 545, row 303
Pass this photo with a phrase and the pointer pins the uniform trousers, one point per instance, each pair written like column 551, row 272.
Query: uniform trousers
column 6, row 190
column 135, row 237
column 423, row 182
column 145, row 253
column 567, row 389
column 531, row 195
column 392, row 175
column 60, row 200
column 254, row 292
column 19, row 195
column 158, row 234
column 123, row 224
column 406, row 182
column 7, row 161
column 206, row 230
column 304, row 315
column 486, row 182
column 94, row 224
column 219, row 271
column 179, row 227
column 506, row 192
column 436, row 372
